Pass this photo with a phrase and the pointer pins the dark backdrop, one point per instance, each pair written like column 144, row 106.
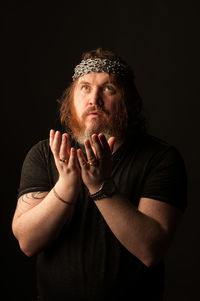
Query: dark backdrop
column 41, row 45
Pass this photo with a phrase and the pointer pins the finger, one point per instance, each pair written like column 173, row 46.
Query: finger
column 104, row 143
column 81, row 158
column 56, row 144
column 68, row 143
column 51, row 137
column 97, row 147
column 111, row 142
column 64, row 154
column 89, row 151
column 72, row 163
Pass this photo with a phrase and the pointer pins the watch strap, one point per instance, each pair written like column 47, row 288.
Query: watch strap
column 102, row 193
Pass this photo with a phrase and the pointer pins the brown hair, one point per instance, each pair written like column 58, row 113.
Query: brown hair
column 130, row 95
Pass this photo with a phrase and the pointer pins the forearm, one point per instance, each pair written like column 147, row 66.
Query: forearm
column 138, row 233
column 36, row 228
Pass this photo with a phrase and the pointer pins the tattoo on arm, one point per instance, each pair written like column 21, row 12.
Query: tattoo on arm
column 38, row 195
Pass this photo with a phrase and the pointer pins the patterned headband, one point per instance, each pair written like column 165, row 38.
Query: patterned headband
column 102, row 65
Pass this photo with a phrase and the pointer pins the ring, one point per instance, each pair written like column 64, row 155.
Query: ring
column 61, row 160
column 93, row 163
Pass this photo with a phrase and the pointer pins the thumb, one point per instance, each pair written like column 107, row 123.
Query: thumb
column 111, row 142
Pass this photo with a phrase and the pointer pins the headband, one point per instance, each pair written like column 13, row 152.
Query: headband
column 102, row 65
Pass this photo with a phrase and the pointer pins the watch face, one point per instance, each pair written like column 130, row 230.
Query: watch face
column 106, row 191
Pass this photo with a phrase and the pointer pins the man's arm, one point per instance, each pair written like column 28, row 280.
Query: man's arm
column 37, row 222
column 40, row 216
column 145, row 231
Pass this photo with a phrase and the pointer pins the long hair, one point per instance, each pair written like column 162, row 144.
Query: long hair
column 130, row 95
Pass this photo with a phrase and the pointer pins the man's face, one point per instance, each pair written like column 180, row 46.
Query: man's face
column 95, row 98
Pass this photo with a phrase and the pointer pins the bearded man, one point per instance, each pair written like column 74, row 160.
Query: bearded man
column 100, row 203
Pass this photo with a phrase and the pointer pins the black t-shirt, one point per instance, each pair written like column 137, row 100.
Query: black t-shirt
column 87, row 262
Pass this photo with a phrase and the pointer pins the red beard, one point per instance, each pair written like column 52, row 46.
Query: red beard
column 110, row 124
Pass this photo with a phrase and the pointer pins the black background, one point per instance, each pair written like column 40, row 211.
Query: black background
column 41, row 45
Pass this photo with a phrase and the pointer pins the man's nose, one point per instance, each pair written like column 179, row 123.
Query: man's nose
column 96, row 97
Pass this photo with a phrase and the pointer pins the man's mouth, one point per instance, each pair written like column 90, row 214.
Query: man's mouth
column 94, row 113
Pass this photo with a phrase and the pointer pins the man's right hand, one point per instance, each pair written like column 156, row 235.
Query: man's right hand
column 40, row 216
column 66, row 162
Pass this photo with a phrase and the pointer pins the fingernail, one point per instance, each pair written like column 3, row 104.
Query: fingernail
column 95, row 137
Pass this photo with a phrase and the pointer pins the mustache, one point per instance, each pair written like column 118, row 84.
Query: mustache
column 95, row 108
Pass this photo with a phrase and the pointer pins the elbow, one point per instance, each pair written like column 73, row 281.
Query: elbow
column 155, row 251
column 25, row 245
column 151, row 261
column 26, row 249
column 150, row 256
column 153, row 256
column 28, row 246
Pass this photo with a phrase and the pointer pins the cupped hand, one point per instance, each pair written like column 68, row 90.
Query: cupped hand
column 97, row 167
column 65, row 159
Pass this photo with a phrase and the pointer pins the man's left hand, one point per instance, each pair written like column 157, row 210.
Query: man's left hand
column 98, row 165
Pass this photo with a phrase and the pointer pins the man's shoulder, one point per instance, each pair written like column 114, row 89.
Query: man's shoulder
column 155, row 143
column 41, row 146
column 158, row 150
column 149, row 146
column 144, row 140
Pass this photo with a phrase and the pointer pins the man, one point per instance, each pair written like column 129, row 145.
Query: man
column 100, row 203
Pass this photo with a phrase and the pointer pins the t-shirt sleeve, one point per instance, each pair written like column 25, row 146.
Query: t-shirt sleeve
column 166, row 179
column 34, row 174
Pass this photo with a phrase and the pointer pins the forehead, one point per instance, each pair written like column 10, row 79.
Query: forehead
column 96, row 78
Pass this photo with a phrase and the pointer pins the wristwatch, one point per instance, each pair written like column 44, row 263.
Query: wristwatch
column 107, row 189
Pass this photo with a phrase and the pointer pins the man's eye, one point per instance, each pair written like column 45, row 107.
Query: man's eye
column 85, row 88
column 109, row 89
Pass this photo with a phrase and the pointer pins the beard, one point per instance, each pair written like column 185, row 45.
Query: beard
column 111, row 124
